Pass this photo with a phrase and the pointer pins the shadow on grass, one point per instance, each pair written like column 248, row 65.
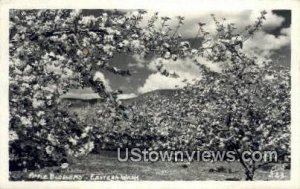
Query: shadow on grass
column 106, row 164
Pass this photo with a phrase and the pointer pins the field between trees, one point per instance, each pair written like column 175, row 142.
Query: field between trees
column 105, row 166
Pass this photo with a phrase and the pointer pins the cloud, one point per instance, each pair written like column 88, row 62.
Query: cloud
column 264, row 41
column 157, row 81
column 240, row 18
column 272, row 20
column 126, row 96
column 215, row 67
column 100, row 76
column 286, row 31
column 139, row 61
column 186, row 69
column 262, row 44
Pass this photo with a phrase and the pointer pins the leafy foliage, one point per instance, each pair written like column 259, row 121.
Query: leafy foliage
column 54, row 50
column 244, row 107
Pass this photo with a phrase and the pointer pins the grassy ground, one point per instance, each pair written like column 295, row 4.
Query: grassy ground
column 105, row 166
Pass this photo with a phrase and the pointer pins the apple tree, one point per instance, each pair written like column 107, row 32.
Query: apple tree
column 52, row 51
column 246, row 106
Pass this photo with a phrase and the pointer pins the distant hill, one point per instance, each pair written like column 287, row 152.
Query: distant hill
column 85, row 97
column 81, row 94
column 82, row 102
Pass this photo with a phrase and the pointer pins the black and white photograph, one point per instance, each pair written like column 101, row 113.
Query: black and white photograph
column 118, row 94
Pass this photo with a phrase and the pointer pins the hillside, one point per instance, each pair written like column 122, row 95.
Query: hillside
column 88, row 95
column 165, row 93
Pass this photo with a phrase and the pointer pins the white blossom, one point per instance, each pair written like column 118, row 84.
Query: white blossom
column 13, row 136
column 87, row 20
column 42, row 122
column 37, row 103
column 25, row 121
column 49, row 149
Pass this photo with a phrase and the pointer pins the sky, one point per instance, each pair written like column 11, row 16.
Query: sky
column 272, row 41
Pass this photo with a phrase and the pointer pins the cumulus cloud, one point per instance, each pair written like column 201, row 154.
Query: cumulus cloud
column 272, row 20
column 264, row 41
column 215, row 67
column 263, row 44
column 100, row 76
column 240, row 18
column 186, row 69
column 286, row 31
column 139, row 61
column 157, row 81
column 126, row 96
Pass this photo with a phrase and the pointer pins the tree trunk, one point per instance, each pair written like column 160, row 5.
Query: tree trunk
column 249, row 175
column 249, row 170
